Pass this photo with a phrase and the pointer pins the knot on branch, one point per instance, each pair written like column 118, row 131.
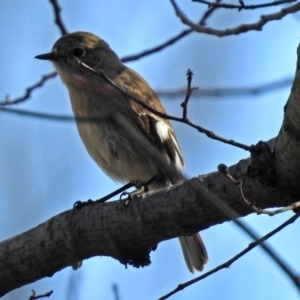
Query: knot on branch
column 263, row 164
column 137, row 260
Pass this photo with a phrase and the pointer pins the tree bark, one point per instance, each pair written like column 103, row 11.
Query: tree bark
column 129, row 233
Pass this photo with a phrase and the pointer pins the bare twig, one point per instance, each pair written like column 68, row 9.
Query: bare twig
column 189, row 90
column 269, row 251
column 158, row 48
column 228, row 263
column 242, row 5
column 58, row 20
column 34, row 296
column 208, row 133
column 115, row 289
column 232, row 92
column 239, row 29
column 171, row 41
column 28, row 91
column 207, row 92
column 223, row 169
column 259, row 210
column 47, row 116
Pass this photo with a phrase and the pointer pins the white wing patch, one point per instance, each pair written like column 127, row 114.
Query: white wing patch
column 178, row 157
column 165, row 133
column 162, row 130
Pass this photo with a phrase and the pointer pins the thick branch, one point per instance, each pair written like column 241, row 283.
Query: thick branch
column 130, row 233
column 270, row 178
column 288, row 141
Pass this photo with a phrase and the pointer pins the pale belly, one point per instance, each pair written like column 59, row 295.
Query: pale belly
column 120, row 156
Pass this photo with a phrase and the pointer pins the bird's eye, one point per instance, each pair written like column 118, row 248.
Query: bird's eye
column 78, row 52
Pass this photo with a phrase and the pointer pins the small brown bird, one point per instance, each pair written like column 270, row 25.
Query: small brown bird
column 129, row 143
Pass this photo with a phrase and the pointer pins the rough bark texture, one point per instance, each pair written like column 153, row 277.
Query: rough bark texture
column 129, row 233
column 287, row 147
column 271, row 178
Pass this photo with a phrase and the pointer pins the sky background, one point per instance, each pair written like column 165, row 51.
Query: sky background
column 44, row 168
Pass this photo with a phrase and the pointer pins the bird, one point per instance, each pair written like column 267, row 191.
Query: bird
column 129, row 142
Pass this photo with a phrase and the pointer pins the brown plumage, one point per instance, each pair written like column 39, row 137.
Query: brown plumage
column 129, row 143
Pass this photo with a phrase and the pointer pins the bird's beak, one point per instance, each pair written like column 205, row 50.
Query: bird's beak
column 48, row 56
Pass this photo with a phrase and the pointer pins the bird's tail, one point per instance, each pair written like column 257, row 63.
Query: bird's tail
column 194, row 252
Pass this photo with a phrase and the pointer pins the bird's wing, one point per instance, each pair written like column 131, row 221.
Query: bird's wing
column 157, row 130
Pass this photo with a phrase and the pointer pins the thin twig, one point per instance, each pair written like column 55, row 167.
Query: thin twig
column 223, row 169
column 264, row 19
column 171, row 41
column 115, row 289
column 232, row 91
column 208, row 133
column 228, row 263
column 246, row 229
column 242, row 5
column 46, row 116
column 34, row 296
column 157, row 48
column 184, row 104
column 8, row 101
column 207, row 92
column 259, row 210
column 58, row 19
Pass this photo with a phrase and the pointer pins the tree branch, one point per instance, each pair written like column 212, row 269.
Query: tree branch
column 28, row 91
column 287, row 143
column 58, row 19
column 148, row 220
column 228, row 263
column 242, row 5
column 235, row 91
column 264, row 19
column 172, row 40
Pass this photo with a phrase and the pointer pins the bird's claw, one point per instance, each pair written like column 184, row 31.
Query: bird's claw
column 80, row 204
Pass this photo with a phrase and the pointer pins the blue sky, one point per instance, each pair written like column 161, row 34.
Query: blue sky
column 44, row 167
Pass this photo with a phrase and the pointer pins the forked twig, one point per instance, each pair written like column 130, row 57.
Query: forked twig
column 264, row 19
column 172, row 40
